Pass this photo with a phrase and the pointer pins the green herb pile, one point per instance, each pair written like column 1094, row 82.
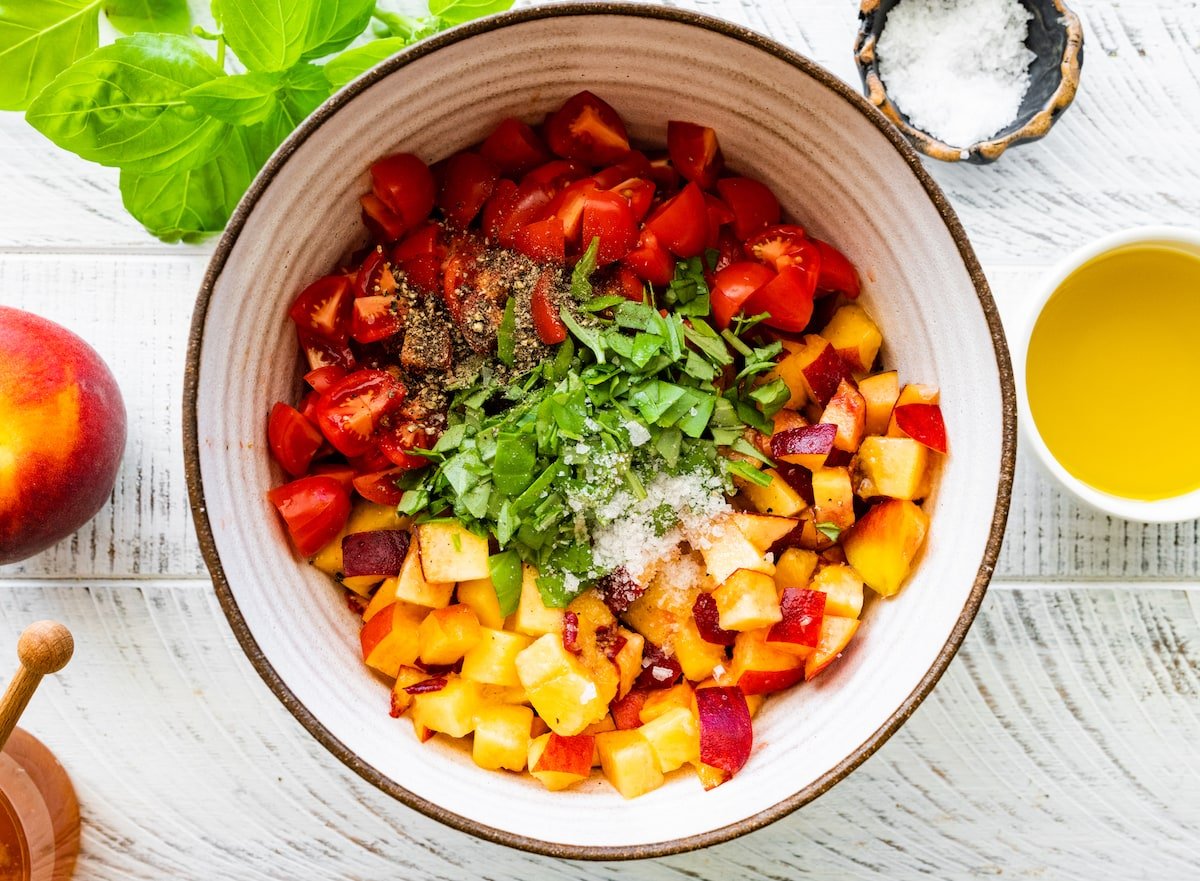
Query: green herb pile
column 517, row 456
column 190, row 115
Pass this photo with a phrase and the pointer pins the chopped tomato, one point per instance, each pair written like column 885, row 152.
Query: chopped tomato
column 627, row 284
column 314, row 508
column 546, row 320
column 567, row 206
column 773, row 246
column 587, row 129
column 294, row 440
column 371, row 461
column 639, row 192
column 752, row 203
column 695, row 152
column 384, row 224
column 719, row 215
column 420, row 257
column 380, row 487
column 342, row 473
column 555, row 174
column 733, row 286
column 323, row 377
column 323, row 308
column 320, row 352
column 512, row 207
column 377, row 318
column 664, row 174
column 468, row 183
column 398, row 442
column 788, row 298
column 633, row 164
column 308, row 406
column 542, row 241
column 608, row 217
column 837, row 273
column 405, row 185
column 459, row 272
column 729, row 250
column 681, row 224
column 514, row 148
column 349, row 412
column 650, row 260
column 374, row 276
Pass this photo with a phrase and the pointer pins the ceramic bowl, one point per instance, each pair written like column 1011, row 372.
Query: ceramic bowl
column 1174, row 509
column 839, row 167
column 1056, row 40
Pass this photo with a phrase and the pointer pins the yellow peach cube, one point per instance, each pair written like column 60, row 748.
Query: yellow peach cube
column 448, row 634
column 450, row 552
column 532, row 617
column 493, row 659
column 843, row 590
column 452, row 710
column 559, row 687
column 674, row 737
column 480, row 595
column 629, row 762
column 664, row 700
column 747, row 600
column 794, row 568
column 777, row 497
column 502, row 737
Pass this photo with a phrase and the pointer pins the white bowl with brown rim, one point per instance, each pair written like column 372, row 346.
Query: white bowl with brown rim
column 840, row 169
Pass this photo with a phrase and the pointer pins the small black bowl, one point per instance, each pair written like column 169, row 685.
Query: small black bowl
column 1055, row 37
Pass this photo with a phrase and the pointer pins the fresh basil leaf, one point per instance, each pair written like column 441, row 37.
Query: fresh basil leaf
column 453, row 12
column 586, row 335
column 155, row 16
column 301, row 90
column 123, row 105
column 708, row 341
column 506, row 334
column 187, row 206
column 353, row 63
column 562, row 360
column 581, row 285
column 407, row 27
column 265, row 34
column 243, row 99
column 743, row 446
column 771, row 396
column 512, row 470
column 654, row 398
column 38, row 40
column 668, row 444
column 830, row 530
column 696, row 420
column 599, row 304
column 333, row 25
column 747, row 472
column 506, row 571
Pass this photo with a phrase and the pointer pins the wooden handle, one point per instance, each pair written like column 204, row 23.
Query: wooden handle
column 44, row 647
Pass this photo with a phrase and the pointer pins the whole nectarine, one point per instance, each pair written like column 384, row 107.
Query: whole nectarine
column 62, row 432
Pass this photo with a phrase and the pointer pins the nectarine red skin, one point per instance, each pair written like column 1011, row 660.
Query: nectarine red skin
column 62, row 433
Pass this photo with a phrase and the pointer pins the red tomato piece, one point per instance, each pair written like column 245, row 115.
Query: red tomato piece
column 752, row 203
column 628, row 284
column 469, row 182
column 681, row 224
column 639, row 192
column 733, row 286
column 398, row 443
column 634, row 164
column 340, row 472
column 837, row 273
column 514, row 148
column 294, row 440
column 729, row 250
column 650, row 261
column 384, row 224
column 320, row 352
column 695, row 152
column 555, row 174
column 664, row 174
column 459, row 272
column 323, row 377
column 512, row 207
column 773, row 246
column 419, row 257
column 608, row 217
column 377, row 318
column 542, row 241
column 788, row 298
column 349, row 413
column 314, row 508
column 371, row 461
column 375, row 276
column 323, row 308
column 380, row 487
column 719, row 215
column 546, row 320
column 405, row 185
column 567, row 206
column 308, row 406
column 587, row 129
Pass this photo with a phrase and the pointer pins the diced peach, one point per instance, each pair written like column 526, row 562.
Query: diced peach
column 559, row 687
column 451, row 710
column 854, row 336
column 882, row 546
column 922, row 422
column 710, row 777
column 777, row 497
column 480, row 595
column 759, row 668
column 366, row 517
column 763, row 530
column 629, row 762
column 695, row 655
column 659, row 702
column 726, row 549
column 848, row 411
column 833, row 497
column 450, row 552
column 891, row 466
column 567, row 755
column 628, row 660
column 880, row 392
column 448, row 634
column 820, row 367
column 674, row 737
column 552, row 780
column 912, row 393
column 503, row 694
column 836, row 633
column 810, row 446
column 791, row 370
column 747, row 600
column 493, row 658
column 843, row 589
column 502, row 737
column 405, row 676
column 532, row 617
column 794, row 568
column 410, row 585
column 390, row 640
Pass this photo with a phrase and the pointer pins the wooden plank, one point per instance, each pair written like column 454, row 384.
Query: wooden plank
column 1123, row 155
column 1059, row 744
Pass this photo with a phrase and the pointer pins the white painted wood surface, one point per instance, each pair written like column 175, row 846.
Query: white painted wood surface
column 1061, row 744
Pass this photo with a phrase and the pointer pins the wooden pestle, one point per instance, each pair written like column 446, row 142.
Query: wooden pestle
column 44, row 647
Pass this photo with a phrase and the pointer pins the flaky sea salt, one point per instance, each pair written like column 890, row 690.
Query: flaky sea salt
column 958, row 69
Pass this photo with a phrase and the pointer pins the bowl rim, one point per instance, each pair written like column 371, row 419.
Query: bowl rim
column 204, row 528
column 1173, row 509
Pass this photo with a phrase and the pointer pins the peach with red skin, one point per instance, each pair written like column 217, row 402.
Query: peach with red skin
column 62, row 433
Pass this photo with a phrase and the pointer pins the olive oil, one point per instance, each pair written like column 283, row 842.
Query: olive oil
column 1113, row 372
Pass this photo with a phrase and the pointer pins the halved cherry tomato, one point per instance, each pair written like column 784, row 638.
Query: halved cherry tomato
column 512, row 207
column 546, row 320
column 294, row 440
column 733, row 286
column 420, row 257
column 681, row 224
column 371, row 461
column 468, row 183
column 695, row 152
column 323, row 308
column 320, row 352
column 664, row 174
column 308, row 406
column 729, row 250
column 405, row 185
column 323, row 377
column 627, row 284
column 377, row 318
column 650, row 261
column 719, row 215
column 752, row 203
column 397, row 443
column 639, row 192
column 555, row 174
column 382, row 222
column 608, row 217
column 459, row 272
column 588, row 129
column 314, row 508
column 340, row 472
column 542, row 241
column 633, row 164
column 374, row 276
column 837, row 273
column 514, row 148
column 788, row 298
column 567, row 206
column 773, row 246
column 380, row 487
column 349, row 412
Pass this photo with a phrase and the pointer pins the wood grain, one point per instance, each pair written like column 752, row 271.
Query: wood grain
column 1061, row 737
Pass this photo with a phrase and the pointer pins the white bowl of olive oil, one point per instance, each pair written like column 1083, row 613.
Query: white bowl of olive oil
column 1108, row 374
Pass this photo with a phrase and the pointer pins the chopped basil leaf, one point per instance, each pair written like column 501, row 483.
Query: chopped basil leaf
column 505, row 569
column 830, row 530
